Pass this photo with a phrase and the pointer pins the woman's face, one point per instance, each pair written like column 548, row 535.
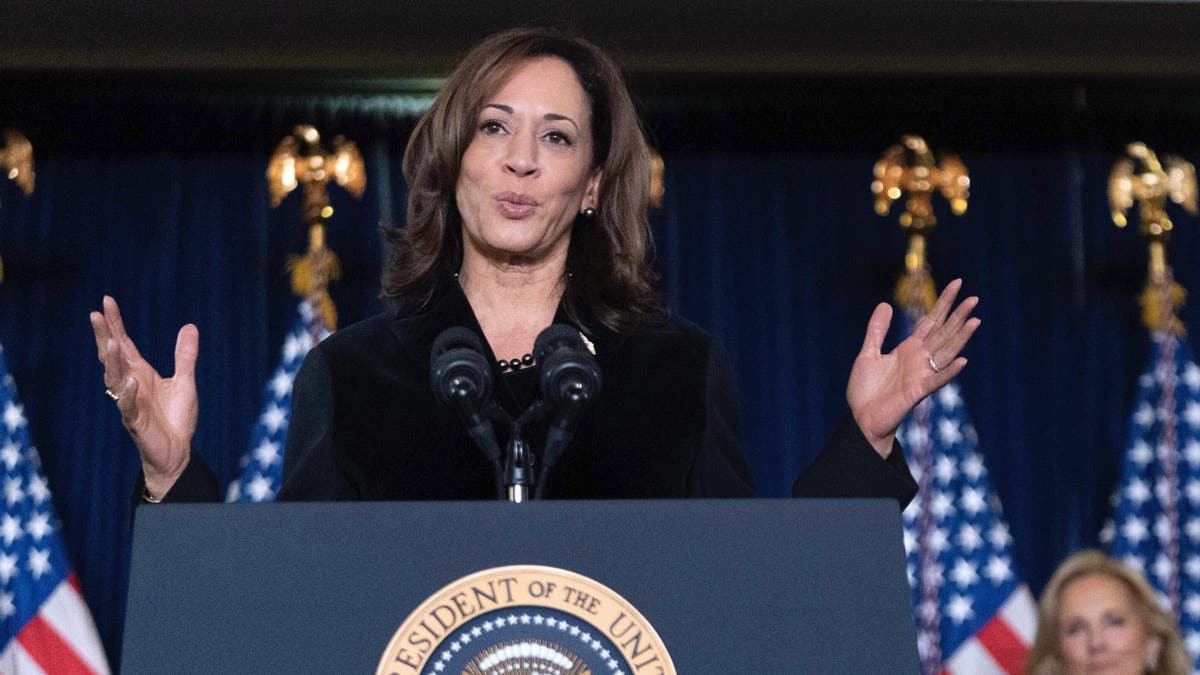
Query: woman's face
column 1100, row 629
column 527, row 172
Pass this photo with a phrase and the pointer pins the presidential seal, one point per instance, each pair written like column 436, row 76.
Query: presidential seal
column 525, row 620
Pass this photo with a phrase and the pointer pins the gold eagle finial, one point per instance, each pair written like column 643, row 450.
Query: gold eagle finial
column 300, row 161
column 910, row 168
column 1140, row 176
column 16, row 162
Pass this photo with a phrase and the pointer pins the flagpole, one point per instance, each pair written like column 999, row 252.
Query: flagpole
column 300, row 160
column 1140, row 178
column 972, row 612
column 45, row 624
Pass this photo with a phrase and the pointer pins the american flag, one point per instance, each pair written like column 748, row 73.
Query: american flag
column 45, row 627
column 1157, row 517
column 262, row 465
column 973, row 613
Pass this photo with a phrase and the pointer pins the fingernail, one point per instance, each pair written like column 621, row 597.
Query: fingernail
column 108, row 345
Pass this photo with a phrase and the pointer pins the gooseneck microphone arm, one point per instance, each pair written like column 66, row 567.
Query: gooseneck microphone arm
column 570, row 379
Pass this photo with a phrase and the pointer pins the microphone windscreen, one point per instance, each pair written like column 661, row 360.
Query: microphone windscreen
column 456, row 337
column 457, row 364
column 556, row 336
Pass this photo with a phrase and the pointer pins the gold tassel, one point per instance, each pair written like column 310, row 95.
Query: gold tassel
column 1159, row 302
column 311, row 274
column 915, row 292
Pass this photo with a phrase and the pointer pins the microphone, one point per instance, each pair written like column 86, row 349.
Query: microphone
column 570, row 378
column 461, row 378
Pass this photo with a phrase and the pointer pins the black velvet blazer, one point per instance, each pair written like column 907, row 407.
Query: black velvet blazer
column 365, row 425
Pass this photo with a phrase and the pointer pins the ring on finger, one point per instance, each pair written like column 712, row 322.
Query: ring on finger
column 933, row 364
column 112, row 394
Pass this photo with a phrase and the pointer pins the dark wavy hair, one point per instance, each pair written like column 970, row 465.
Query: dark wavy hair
column 610, row 279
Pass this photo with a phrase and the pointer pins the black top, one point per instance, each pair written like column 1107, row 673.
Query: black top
column 365, row 425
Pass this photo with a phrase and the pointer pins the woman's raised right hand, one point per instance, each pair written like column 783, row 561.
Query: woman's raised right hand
column 160, row 413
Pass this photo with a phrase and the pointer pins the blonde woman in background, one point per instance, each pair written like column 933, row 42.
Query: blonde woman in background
column 1099, row 616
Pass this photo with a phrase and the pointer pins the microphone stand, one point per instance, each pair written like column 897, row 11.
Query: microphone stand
column 558, row 437
column 519, row 475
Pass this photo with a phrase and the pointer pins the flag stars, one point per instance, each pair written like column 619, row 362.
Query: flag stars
column 942, row 505
column 917, row 436
column 1134, row 530
column 999, row 537
column 948, row 432
column 39, row 526
column 1134, row 562
column 945, row 469
column 1191, row 566
column 281, row 384
column 1192, row 529
column 39, row 562
column 949, row 396
column 1140, row 453
column 972, row 501
column 959, row 608
column 1191, row 377
column 1193, row 642
column 1191, row 605
column 938, row 540
column 267, row 452
column 1191, row 414
column 997, row 570
column 14, row 416
column 1137, row 492
column 259, row 488
column 971, row 436
column 10, row 529
column 8, row 567
column 1191, row 453
column 1162, row 528
column 913, row 512
column 37, row 489
column 10, row 455
column 969, row 538
column 1144, row 416
column 964, row 573
column 293, row 347
column 972, row 466
column 7, row 608
column 1164, row 490
column 1163, row 569
column 273, row 418
column 1192, row 490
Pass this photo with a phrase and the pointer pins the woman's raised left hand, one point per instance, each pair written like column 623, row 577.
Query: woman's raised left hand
column 883, row 388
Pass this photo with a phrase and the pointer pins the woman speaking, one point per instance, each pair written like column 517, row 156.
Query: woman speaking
column 528, row 182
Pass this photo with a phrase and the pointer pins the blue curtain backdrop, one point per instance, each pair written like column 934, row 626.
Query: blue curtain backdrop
column 771, row 244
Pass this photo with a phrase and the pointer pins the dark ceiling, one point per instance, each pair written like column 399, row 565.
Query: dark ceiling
column 376, row 38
